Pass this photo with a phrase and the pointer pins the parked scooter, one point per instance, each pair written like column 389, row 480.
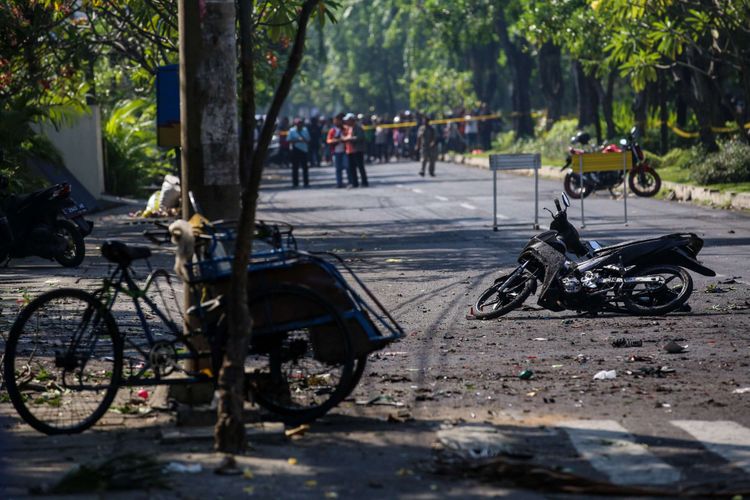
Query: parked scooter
column 643, row 277
column 47, row 223
column 643, row 180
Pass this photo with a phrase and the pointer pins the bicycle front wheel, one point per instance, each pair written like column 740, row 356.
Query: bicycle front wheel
column 301, row 361
column 63, row 360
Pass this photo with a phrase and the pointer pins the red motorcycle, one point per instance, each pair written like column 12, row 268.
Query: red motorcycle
column 642, row 178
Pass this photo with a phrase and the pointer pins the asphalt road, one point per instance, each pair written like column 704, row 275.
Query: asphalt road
column 426, row 248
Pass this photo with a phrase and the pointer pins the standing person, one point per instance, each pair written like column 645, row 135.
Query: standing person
column 335, row 141
column 368, row 124
column 471, row 131
column 354, row 138
column 299, row 140
column 283, row 130
column 381, row 142
column 325, row 154
column 427, row 146
column 315, row 133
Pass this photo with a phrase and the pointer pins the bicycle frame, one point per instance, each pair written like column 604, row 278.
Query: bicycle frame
column 121, row 282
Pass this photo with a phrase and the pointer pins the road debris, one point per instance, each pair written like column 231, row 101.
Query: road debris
column 129, row 471
column 298, row 431
column 606, row 375
column 182, row 468
column 623, row 342
column 673, row 347
column 228, row 467
column 380, row 400
column 474, row 441
column 526, row 375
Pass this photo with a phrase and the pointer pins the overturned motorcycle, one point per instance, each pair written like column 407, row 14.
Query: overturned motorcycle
column 643, row 277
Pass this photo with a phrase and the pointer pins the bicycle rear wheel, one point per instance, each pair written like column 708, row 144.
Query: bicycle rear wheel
column 300, row 362
column 62, row 362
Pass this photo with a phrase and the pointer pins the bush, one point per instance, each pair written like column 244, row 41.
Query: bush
column 681, row 158
column 730, row 164
column 133, row 159
column 552, row 144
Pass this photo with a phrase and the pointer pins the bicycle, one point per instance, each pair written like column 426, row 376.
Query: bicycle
column 66, row 358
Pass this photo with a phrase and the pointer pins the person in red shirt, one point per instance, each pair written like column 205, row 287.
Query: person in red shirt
column 335, row 140
column 355, row 141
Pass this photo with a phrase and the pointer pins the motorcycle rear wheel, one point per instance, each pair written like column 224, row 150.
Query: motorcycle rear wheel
column 657, row 300
column 644, row 181
column 573, row 188
column 493, row 304
column 76, row 249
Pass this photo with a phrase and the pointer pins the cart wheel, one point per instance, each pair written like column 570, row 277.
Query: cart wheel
column 359, row 369
column 300, row 362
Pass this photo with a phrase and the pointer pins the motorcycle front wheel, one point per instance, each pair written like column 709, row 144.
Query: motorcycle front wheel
column 494, row 303
column 574, row 187
column 644, row 181
column 656, row 299
column 75, row 249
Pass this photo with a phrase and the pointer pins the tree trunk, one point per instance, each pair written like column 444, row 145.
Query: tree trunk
column 484, row 71
column 663, row 115
column 586, row 97
column 521, row 66
column 605, row 95
column 208, row 122
column 209, row 107
column 640, row 110
column 695, row 90
column 229, row 434
column 550, row 74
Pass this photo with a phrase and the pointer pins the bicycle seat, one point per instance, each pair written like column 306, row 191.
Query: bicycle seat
column 120, row 253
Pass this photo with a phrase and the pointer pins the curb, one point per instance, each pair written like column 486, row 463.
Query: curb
column 676, row 192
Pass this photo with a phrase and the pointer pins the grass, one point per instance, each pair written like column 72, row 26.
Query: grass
column 682, row 176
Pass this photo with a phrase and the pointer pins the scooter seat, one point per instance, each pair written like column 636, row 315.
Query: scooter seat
column 120, row 253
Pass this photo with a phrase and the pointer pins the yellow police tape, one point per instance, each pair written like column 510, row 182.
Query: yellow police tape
column 439, row 121
column 692, row 135
column 535, row 114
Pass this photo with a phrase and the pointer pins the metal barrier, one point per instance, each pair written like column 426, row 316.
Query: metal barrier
column 603, row 162
column 515, row 162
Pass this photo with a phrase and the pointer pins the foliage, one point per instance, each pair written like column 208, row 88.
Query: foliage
column 436, row 89
column 132, row 159
column 730, row 164
column 682, row 159
column 552, row 145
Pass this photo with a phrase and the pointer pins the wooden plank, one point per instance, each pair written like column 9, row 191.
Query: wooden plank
column 601, row 162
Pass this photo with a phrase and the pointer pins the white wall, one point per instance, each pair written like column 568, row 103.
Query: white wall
column 81, row 148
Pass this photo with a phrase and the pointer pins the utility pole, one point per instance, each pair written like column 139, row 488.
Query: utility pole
column 209, row 129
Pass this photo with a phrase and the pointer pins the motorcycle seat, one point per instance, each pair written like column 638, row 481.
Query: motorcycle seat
column 617, row 246
column 123, row 254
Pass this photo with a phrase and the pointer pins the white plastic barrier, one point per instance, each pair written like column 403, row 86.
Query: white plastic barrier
column 515, row 162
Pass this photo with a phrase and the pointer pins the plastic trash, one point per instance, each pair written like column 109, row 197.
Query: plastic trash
column 181, row 468
column 606, row 375
column 623, row 342
column 526, row 375
column 169, row 196
column 143, row 394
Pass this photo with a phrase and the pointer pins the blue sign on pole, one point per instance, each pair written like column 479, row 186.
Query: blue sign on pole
column 168, row 106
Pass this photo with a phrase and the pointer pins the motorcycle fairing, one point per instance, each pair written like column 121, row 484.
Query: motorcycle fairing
column 552, row 261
